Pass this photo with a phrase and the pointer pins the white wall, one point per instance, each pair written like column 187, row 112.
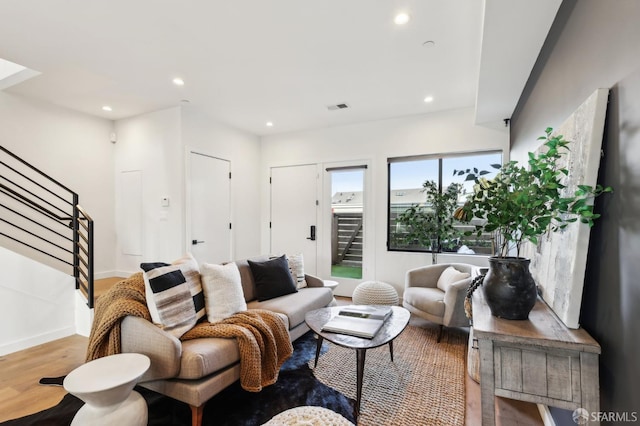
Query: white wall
column 37, row 303
column 151, row 143
column 203, row 134
column 443, row 132
column 156, row 144
column 72, row 148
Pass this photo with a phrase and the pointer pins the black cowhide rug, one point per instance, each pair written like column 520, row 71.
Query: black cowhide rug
column 296, row 386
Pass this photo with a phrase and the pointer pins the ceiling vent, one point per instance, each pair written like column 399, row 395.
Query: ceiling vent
column 337, row 106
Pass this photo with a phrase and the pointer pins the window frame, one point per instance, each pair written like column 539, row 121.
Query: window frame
column 440, row 157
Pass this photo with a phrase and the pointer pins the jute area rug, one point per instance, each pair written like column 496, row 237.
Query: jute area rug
column 424, row 385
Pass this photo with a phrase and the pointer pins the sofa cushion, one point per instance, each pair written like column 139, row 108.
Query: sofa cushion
column 272, row 278
column 248, row 285
column 430, row 300
column 222, row 291
column 296, row 305
column 450, row 276
column 201, row 357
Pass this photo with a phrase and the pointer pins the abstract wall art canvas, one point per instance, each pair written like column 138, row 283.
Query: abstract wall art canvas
column 558, row 261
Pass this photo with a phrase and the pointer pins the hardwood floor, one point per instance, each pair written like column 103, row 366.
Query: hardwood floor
column 21, row 394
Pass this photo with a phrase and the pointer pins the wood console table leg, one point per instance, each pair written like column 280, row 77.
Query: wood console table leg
column 590, row 383
column 487, row 382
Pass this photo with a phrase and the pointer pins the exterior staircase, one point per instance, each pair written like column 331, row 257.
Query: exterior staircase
column 347, row 238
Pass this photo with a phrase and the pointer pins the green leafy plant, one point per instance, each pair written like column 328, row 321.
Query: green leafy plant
column 431, row 224
column 522, row 203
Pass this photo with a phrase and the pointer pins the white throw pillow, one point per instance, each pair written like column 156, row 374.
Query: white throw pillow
column 450, row 276
column 223, row 294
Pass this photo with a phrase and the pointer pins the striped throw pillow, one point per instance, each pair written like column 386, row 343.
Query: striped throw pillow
column 169, row 298
column 296, row 266
column 191, row 271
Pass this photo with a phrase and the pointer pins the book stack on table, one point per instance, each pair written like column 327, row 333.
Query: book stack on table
column 358, row 320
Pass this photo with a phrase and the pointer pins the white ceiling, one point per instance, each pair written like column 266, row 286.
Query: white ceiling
column 246, row 62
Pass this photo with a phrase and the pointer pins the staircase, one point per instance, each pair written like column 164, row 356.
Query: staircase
column 40, row 218
column 347, row 239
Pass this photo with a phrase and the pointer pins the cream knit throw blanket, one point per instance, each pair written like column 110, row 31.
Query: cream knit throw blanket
column 262, row 335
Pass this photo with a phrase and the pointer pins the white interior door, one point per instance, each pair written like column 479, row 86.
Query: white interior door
column 294, row 212
column 209, row 208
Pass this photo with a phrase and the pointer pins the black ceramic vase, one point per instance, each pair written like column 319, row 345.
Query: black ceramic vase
column 509, row 288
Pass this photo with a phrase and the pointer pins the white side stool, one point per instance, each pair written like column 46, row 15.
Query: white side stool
column 375, row 293
column 106, row 386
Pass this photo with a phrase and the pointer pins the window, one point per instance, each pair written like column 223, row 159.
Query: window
column 423, row 193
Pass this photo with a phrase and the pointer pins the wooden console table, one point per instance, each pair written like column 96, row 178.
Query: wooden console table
column 537, row 360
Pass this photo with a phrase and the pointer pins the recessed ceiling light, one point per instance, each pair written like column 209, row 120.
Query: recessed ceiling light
column 401, row 18
column 178, row 82
column 106, row 108
column 428, row 99
column 269, row 124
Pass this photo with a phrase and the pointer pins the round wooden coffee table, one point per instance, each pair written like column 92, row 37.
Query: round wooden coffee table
column 391, row 329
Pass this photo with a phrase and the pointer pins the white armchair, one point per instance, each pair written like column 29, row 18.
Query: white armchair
column 436, row 293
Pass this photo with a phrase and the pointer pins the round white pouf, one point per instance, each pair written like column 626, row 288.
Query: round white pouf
column 308, row 416
column 375, row 293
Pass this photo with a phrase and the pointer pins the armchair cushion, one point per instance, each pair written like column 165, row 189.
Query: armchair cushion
column 426, row 299
column 450, row 276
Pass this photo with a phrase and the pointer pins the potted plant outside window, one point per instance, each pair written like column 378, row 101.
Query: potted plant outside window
column 521, row 204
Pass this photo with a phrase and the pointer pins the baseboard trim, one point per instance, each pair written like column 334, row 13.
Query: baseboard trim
column 547, row 419
column 19, row 345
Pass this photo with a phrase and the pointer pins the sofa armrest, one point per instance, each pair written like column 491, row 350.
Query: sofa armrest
column 313, row 281
column 164, row 350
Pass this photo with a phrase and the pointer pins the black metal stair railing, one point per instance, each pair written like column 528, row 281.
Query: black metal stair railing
column 42, row 217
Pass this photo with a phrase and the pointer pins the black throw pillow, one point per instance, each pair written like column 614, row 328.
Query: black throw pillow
column 272, row 278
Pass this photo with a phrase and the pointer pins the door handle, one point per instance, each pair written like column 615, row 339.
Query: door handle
column 312, row 232
column 194, row 242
